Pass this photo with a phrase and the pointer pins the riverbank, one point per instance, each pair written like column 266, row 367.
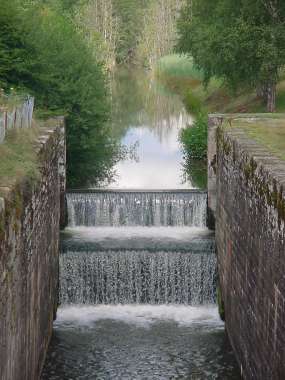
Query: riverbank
column 178, row 74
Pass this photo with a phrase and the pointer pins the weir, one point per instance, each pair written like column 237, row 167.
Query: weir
column 138, row 271
column 155, row 254
column 137, row 208
column 127, row 277
column 138, row 290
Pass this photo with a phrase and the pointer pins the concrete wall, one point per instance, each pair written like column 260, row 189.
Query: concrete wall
column 250, row 234
column 29, row 238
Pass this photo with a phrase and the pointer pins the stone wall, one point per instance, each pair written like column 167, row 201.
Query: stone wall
column 29, row 238
column 250, row 235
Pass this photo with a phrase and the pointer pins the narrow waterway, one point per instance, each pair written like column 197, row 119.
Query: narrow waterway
column 137, row 265
column 147, row 120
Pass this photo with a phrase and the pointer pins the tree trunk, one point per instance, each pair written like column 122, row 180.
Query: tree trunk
column 271, row 97
column 261, row 92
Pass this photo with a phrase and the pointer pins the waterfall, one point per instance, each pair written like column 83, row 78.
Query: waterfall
column 126, row 277
column 136, row 247
column 137, row 208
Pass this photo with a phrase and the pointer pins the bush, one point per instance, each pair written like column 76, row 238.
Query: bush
column 176, row 65
column 43, row 54
column 195, row 172
column 194, row 138
column 192, row 103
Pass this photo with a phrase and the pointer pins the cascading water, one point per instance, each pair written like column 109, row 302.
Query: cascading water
column 137, row 208
column 181, row 271
column 137, row 290
column 141, row 277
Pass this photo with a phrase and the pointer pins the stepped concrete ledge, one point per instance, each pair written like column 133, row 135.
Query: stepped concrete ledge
column 166, row 191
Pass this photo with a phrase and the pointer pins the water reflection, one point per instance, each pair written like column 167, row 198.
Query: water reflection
column 146, row 115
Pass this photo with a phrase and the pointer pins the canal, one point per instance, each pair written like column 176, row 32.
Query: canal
column 137, row 264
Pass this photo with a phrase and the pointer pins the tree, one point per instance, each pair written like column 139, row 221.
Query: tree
column 45, row 55
column 129, row 13
column 158, row 32
column 112, row 28
column 13, row 47
column 240, row 41
column 99, row 24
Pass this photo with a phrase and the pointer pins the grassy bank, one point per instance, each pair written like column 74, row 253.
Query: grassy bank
column 180, row 76
column 267, row 132
column 18, row 156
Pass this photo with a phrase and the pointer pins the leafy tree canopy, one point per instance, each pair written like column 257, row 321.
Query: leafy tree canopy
column 42, row 53
column 129, row 13
column 240, row 41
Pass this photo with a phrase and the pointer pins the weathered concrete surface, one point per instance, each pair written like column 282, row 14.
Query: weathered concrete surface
column 29, row 238
column 250, row 235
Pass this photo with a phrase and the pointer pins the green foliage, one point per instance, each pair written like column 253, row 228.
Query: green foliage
column 178, row 73
column 280, row 101
column 12, row 44
column 240, row 41
column 176, row 65
column 195, row 172
column 194, row 138
column 129, row 13
column 158, row 31
column 194, row 144
column 45, row 55
column 192, row 103
column 129, row 31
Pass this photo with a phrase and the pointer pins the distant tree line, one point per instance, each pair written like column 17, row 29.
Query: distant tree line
column 130, row 31
column 159, row 31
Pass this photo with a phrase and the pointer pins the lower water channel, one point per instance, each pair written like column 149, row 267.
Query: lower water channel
column 137, row 264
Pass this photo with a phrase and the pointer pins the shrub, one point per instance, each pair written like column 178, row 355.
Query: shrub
column 194, row 138
column 192, row 103
column 176, row 65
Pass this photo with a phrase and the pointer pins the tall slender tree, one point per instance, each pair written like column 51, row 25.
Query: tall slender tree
column 158, row 33
column 100, row 25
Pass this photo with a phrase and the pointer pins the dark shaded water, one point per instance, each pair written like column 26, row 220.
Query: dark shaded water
column 139, row 342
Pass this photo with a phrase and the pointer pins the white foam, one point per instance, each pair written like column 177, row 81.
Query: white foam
column 175, row 233
column 140, row 315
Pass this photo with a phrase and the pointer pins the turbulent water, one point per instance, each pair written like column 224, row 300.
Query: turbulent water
column 137, row 208
column 144, row 265
column 137, row 291
column 139, row 342
column 144, row 277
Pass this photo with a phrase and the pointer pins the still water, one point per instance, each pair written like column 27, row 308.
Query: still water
column 147, row 119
